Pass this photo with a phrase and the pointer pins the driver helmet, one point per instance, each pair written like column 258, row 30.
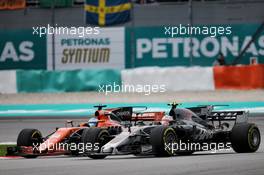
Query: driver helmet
column 166, row 120
column 92, row 122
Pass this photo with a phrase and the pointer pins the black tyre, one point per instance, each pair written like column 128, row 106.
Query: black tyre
column 75, row 141
column 29, row 137
column 161, row 136
column 95, row 136
column 245, row 138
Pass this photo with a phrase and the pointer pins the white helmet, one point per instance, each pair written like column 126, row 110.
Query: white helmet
column 166, row 120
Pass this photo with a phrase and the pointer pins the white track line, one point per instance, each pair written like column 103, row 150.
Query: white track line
column 7, row 143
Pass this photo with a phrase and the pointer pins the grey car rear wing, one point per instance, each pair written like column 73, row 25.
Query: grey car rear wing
column 207, row 113
column 237, row 116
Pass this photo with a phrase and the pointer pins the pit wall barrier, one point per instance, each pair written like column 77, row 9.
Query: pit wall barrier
column 34, row 81
column 239, row 77
column 174, row 79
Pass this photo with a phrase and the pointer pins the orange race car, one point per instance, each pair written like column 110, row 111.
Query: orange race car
column 69, row 139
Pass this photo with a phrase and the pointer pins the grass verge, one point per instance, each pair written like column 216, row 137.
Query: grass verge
column 3, row 149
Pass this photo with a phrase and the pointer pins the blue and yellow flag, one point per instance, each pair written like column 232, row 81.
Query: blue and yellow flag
column 107, row 12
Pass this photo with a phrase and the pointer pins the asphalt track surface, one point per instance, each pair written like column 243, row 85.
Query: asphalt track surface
column 94, row 97
column 200, row 163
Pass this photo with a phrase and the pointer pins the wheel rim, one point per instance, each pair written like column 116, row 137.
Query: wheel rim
column 102, row 140
column 255, row 138
column 170, row 138
column 36, row 138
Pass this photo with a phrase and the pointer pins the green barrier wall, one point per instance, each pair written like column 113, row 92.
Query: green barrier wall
column 150, row 46
column 153, row 46
column 66, row 81
column 57, row 3
column 21, row 49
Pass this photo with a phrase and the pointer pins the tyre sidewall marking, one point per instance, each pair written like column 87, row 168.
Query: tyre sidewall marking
column 164, row 138
column 35, row 132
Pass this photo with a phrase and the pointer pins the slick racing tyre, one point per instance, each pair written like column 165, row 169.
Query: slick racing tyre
column 245, row 138
column 29, row 137
column 97, row 137
column 75, row 139
column 161, row 139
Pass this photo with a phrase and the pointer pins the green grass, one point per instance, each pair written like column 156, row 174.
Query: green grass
column 3, row 149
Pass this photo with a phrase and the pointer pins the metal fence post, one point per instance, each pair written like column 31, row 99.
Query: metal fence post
column 132, row 37
column 191, row 24
column 53, row 35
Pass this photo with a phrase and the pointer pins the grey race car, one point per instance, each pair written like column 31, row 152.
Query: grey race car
column 193, row 129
